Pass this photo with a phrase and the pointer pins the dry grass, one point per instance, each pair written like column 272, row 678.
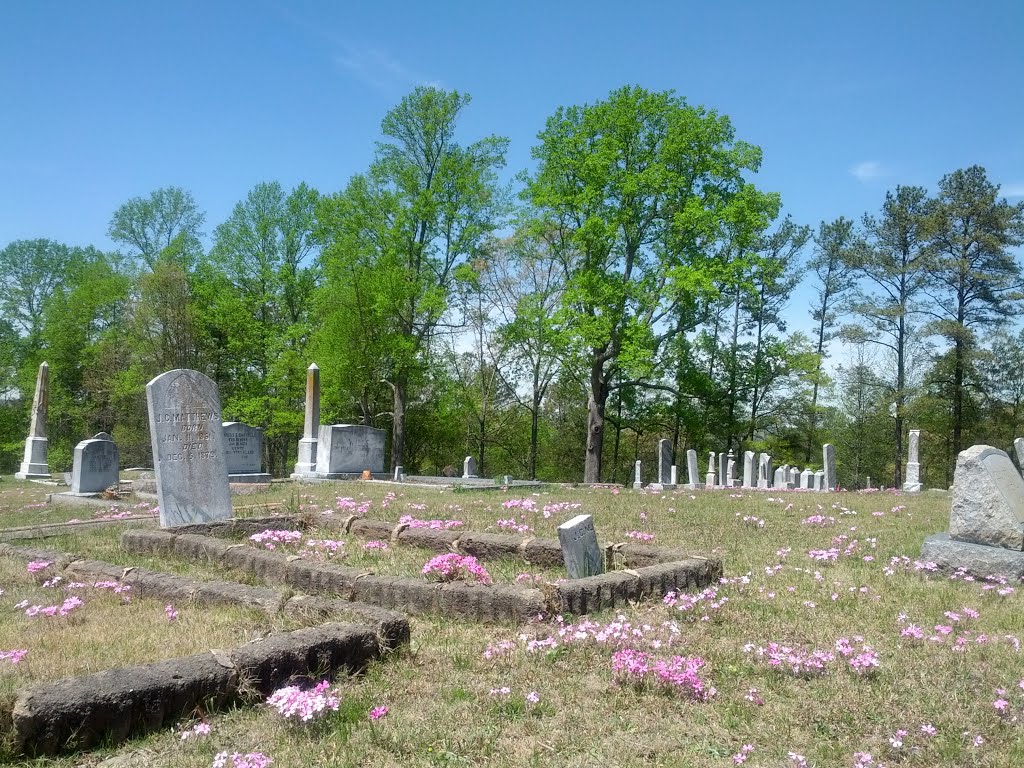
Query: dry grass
column 442, row 714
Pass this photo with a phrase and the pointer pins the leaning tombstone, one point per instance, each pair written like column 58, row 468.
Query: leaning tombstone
column 912, row 484
column 35, row 465
column 986, row 521
column 692, row 472
column 828, row 454
column 580, row 549
column 95, row 466
column 243, row 453
column 188, row 448
column 469, row 468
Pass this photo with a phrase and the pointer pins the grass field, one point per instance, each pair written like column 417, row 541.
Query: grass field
column 873, row 654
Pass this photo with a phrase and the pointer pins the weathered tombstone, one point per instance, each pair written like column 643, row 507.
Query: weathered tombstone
column 95, row 466
column 986, row 522
column 721, row 469
column 637, row 478
column 674, row 476
column 692, row 472
column 35, row 465
column 243, row 453
column 912, row 483
column 807, row 479
column 778, row 479
column 580, row 550
column 306, row 466
column 188, row 448
column 764, row 470
column 794, row 477
column 819, row 480
column 730, row 470
column 748, row 469
column 665, row 462
column 1018, row 446
column 469, row 468
column 868, row 481
column 349, row 449
column 399, row 472
column 709, row 479
column 828, row 455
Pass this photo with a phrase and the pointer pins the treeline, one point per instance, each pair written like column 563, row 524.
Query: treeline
column 635, row 284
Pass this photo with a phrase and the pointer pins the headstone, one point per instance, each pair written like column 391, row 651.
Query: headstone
column 347, row 449
column 779, row 478
column 1018, row 446
column 308, row 445
column 469, row 468
column 580, row 550
column 637, row 479
column 721, row 469
column 868, row 481
column 709, row 479
column 692, row 472
column 807, row 479
column 399, row 471
column 912, row 482
column 730, row 470
column 95, row 465
column 764, row 470
column 794, row 477
column 828, row 455
column 748, row 469
column 243, row 453
column 819, row 480
column 188, row 448
column 35, row 465
column 988, row 499
column 674, row 476
column 665, row 462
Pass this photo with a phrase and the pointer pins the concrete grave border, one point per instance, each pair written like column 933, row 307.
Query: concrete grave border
column 649, row 571
column 113, row 705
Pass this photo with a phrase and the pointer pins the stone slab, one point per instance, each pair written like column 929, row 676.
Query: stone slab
column 348, row 448
column 988, row 499
column 977, row 559
column 580, row 549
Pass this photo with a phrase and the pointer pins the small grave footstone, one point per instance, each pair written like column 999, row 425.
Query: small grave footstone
column 580, row 550
column 828, row 455
column 692, row 473
column 306, row 465
column 243, row 453
column 95, row 465
column 912, row 484
column 988, row 499
column 188, row 448
column 748, row 469
column 469, row 467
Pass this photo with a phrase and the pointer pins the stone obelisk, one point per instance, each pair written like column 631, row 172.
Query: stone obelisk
column 306, row 466
column 35, row 465
column 912, row 482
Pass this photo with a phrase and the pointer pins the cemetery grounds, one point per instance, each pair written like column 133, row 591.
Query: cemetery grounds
column 828, row 643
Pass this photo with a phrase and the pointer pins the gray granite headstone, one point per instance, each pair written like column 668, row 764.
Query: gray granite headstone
column 580, row 549
column 95, row 465
column 188, row 448
column 828, row 455
column 243, row 448
column 348, row 449
column 1018, row 446
column 665, row 462
column 692, row 472
column 748, row 469
column 988, row 499
column 721, row 469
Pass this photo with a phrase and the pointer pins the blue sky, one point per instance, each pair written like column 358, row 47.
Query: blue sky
column 107, row 101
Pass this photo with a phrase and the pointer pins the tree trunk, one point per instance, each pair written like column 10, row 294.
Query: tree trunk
column 596, row 402
column 398, row 422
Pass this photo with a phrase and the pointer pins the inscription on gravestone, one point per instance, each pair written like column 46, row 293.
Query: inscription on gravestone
column 243, row 448
column 188, row 448
column 580, row 549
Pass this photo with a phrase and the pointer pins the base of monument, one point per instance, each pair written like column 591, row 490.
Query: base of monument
column 314, row 477
column 254, row 477
column 637, row 486
column 690, row 486
column 668, row 486
column 976, row 559
column 33, row 476
column 912, row 487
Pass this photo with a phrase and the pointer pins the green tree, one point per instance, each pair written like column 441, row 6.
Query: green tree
column 892, row 260
column 975, row 280
column 639, row 189
column 149, row 226
column 425, row 207
column 30, row 272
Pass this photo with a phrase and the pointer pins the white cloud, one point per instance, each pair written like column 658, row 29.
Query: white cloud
column 867, row 171
column 378, row 68
column 1012, row 190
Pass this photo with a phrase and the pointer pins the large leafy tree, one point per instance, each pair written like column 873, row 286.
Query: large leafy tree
column 640, row 189
column 150, row 226
column 424, row 208
column 30, row 272
column 975, row 279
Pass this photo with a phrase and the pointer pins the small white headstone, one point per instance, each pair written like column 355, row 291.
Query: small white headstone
column 692, row 472
column 469, row 467
column 580, row 549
